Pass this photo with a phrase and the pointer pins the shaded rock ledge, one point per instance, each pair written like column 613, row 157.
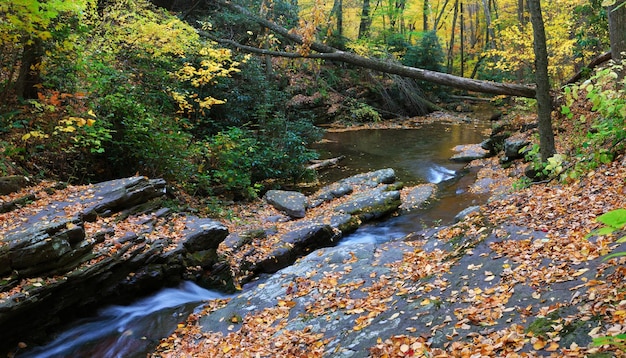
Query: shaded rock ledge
column 66, row 251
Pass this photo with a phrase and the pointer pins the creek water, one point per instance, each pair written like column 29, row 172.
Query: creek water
column 417, row 155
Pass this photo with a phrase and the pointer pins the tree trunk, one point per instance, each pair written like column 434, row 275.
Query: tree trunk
column 462, row 40
column 544, row 100
column 521, row 17
column 28, row 75
column 440, row 15
column 489, row 34
column 331, row 53
column 366, row 20
column 617, row 29
column 451, row 47
column 338, row 12
column 425, row 15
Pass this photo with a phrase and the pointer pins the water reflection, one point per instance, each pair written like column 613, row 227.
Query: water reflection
column 417, row 155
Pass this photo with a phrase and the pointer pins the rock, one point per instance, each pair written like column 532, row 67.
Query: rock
column 494, row 144
column 513, row 146
column 291, row 202
column 203, row 234
column 85, row 246
column 371, row 205
column 465, row 212
column 295, row 244
column 418, row 196
column 372, row 179
column 468, row 152
column 12, row 183
column 483, row 185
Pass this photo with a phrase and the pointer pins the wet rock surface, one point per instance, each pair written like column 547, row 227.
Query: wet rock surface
column 469, row 152
column 68, row 250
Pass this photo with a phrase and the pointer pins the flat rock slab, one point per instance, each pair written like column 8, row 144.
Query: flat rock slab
column 292, row 203
column 352, row 297
column 468, row 152
column 417, row 197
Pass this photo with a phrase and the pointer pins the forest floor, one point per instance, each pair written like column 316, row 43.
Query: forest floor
column 536, row 233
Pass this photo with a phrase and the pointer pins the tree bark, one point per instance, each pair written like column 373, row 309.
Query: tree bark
column 617, row 31
column 28, row 75
column 425, row 15
column 462, row 35
column 331, row 53
column 451, row 47
column 593, row 64
column 338, row 12
column 366, row 21
column 544, row 100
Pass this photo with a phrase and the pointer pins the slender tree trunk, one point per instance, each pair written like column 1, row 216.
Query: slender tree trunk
column 489, row 35
column 366, row 20
column 269, row 70
column 451, row 47
column 544, row 100
column 425, row 15
column 521, row 17
column 462, row 41
column 617, row 29
column 440, row 15
column 522, row 20
column 338, row 12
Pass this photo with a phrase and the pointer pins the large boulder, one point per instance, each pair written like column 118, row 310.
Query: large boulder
column 513, row 147
column 13, row 183
column 371, row 205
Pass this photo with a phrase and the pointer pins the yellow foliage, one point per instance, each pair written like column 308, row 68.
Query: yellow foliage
column 138, row 25
column 214, row 63
column 516, row 51
column 35, row 135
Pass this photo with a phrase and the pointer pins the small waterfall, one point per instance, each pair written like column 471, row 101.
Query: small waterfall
column 127, row 331
column 437, row 174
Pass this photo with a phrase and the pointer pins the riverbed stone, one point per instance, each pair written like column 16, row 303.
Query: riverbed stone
column 417, row 197
column 292, row 203
column 513, row 147
column 371, row 205
column 468, row 152
column 12, row 183
column 295, row 244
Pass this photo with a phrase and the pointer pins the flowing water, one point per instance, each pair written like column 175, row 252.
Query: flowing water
column 417, row 155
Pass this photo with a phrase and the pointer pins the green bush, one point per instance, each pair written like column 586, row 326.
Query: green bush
column 607, row 135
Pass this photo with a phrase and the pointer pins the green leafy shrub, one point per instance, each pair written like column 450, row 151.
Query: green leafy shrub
column 606, row 136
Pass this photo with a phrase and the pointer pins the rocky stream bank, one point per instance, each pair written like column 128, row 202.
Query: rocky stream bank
column 68, row 249
column 515, row 277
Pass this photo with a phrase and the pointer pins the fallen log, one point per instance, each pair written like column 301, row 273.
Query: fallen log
column 323, row 164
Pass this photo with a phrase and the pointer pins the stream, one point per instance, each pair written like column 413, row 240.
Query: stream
column 417, row 155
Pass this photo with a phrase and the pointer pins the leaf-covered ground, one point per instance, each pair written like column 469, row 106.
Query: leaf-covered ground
column 519, row 278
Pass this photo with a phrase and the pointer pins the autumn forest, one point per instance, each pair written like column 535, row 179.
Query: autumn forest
column 225, row 101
